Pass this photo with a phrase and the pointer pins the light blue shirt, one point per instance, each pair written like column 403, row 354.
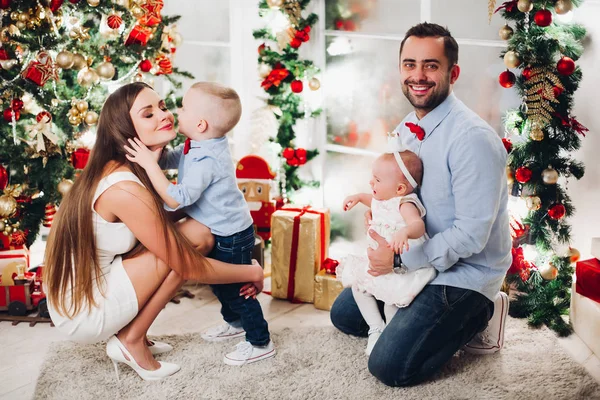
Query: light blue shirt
column 206, row 187
column 465, row 194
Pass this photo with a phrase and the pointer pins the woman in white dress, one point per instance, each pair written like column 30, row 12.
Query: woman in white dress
column 114, row 257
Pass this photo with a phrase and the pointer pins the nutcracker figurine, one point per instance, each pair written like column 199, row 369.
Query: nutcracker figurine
column 254, row 180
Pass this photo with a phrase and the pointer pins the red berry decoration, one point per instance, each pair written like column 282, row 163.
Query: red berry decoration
column 507, row 79
column 3, row 177
column 301, row 153
column 543, row 18
column 295, row 43
column 339, row 24
column 507, row 144
column 4, row 4
column 523, row 174
column 288, row 153
column 557, row 91
column 8, row 113
column 302, row 160
column 565, row 66
column 557, row 211
column 527, row 73
column 302, row 36
column 43, row 114
column 114, row 21
column 3, row 54
column 297, row 86
column 55, row 5
column 306, row 29
column 294, row 162
column 145, row 65
column 16, row 104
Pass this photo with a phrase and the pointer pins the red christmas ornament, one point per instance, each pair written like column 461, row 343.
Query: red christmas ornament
column 526, row 271
column 152, row 9
column 114, row 21
column 145, row 65
column 349, row 25
column 301, row 153
column 523, row 174
column 565, row 66
column 3, row 177
column 507, row 79
column 527, row 73
column 4, row 4
column 297, row 86
column 339, row 24
column 55, row 5
column 8, row 113
column 79, row 158
column 165, row 65
column 557, row 211
column 302, row 160
column 352, row 139
column 507, row 144
column 288, row 153
column 3, row 54
column 18, row 238
column 306, row 29
column 295, row 43
column 43, row 114
column 294, row 162
column 543, row 18
column 557, row 91
column 16, row 104
column 49, row 212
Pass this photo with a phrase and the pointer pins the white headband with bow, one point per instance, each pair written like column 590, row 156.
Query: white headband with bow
column 395, row 147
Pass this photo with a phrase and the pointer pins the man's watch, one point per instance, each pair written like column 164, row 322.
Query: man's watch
column 399, row 267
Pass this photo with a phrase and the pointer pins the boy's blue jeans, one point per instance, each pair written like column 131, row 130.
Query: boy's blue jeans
column 420, row 338
column 236, row 310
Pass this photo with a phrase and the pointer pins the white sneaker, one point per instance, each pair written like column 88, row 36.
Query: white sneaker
column 374, row 334
column 223, row 332
column 245, row 353
column 491, row 339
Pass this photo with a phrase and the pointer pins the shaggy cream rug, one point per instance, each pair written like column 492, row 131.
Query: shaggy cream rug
column 320, row 364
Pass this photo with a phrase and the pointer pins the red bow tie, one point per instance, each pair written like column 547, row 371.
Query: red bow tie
column 416, row 129
column 187, row 145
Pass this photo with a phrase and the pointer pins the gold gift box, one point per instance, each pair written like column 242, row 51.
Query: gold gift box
column 312, row 248
column 327, row 289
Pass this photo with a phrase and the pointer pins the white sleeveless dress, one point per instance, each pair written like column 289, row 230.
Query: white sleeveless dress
column 119, row 305
column 397, row 289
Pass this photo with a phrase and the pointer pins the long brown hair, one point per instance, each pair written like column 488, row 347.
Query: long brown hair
column 71, row 255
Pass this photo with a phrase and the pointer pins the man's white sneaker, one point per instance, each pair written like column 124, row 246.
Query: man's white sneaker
column 374, row 334
column 245, row 353
column 491, row 339
column 223, row 332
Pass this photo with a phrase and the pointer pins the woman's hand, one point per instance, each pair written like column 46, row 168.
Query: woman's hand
column 140, row 154
column 254, row 288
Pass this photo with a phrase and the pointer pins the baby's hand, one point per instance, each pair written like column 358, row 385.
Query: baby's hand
column 140, row 154
column 399, row 241
column 350, row 202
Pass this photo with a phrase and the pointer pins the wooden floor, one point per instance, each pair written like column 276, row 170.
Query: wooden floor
column 23, row 348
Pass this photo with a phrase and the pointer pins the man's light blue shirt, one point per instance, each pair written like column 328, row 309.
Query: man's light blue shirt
column 465, row 194
column 206, row 186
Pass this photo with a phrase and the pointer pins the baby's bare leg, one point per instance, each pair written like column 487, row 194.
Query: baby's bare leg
column 197, row 233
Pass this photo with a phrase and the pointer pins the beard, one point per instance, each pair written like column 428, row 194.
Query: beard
column 438, row 93
column 254, row 205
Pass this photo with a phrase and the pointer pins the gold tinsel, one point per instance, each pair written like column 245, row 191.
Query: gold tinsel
column 491, row 6
column 539, row 104
column 293, row 10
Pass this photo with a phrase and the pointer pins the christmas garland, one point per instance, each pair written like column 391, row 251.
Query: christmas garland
column 284, row 76
column 58, row 59
column 540, row 135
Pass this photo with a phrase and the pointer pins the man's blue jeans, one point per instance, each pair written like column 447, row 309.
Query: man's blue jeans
column 422, row 337
column 237, row 311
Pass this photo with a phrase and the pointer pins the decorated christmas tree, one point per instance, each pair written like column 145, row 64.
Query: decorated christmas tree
column 540, row 137
column 284, row 77
column 59, row 62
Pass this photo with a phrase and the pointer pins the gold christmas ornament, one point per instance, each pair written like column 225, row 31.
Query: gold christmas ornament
column 91, row 118
column 533, row 203
column 562, row 7
column 74, row 120
column 8, row 206
column 314, row 84
column 87, row 77
column 510, row 174
column 275, row 3
column 21, row 25
column 64, row 186
column 82, row 106
column 511, row 59
column 8, row 64
column 549, row 272
column 65, row 59
column 138, row 78
column 506, row 32
column 525, row 5
column 549, row 176
column 93, row 3
column 536, row 133
column 264, row 70
column 573, row 254
column 79, row 62
column 137, row 12
column 2, row 225
column 106, row 70
column 79, row 33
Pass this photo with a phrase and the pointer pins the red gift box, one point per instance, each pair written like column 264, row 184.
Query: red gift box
column 139, row 35
column 588, row 279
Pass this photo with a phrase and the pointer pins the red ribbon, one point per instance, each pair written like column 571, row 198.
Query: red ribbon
column 275, row 77
column 508, row 6
column 187, row 145
column 294, row 250
column 416, row 129
column 329, row 265
column 572, row 123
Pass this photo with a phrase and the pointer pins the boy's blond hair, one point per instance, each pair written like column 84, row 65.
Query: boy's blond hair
column 226, row 110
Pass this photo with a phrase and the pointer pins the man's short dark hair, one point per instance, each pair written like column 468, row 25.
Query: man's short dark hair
column 427, row 29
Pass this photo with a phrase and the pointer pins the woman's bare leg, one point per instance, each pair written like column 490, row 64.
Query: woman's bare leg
column 154, row 288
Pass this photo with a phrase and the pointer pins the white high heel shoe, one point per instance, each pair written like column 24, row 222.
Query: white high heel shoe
column 157, row 348
column 118, row 353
